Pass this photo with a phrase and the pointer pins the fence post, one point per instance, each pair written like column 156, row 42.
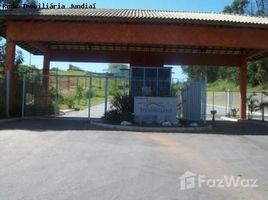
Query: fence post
column 56, row 95
column 228, row 101
column 212, row 100
column 89, row 96
column 23, row 96
column 262, row 109
column 7, row 93
column 106, row 94
column 225, row 100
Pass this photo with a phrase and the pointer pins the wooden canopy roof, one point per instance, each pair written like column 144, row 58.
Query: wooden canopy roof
column 118, row 34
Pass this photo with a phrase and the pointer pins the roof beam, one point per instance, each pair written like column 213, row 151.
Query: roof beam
column 257, row 55
column 145, row 58
column 139, row 34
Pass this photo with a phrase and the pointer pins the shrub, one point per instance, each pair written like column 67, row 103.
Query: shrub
column 70, row 101
column 234, row 112
column 79, row 93
column 122, row 102
column 111, row 116
column 121, row 109
column 92, row 94
column 252, row 103
column 59, row 95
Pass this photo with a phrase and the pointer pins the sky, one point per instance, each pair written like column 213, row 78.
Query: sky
column 177, row 5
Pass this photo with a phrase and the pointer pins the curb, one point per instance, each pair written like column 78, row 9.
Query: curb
column 3, row 121
column 230, row 119
column 257, row 122
column 67, row 111
column 152, row 129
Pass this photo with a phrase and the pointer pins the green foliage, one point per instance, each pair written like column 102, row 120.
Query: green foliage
column 196, row 73
column 121, row 109
column 175, row 87
column 31, row 2
column 237, row 7
column 19, row 3
column 74, row 68
column 92, row 94
column 14, row 3
column 56, row 95
column 253, row 104
column 223, row 85
column 25, row 69
column 122, row 102
column 234, row 112
column 2, row 53
column 228, row 73
column 258, row 73
column 18, row 59
column 69, row 101
column 79, row 93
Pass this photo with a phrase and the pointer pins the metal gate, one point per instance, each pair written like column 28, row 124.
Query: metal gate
column 193, row 96
column 70, row 96
column 3, row 95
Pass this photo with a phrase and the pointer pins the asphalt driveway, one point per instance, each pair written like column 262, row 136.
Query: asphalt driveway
column 50, row 159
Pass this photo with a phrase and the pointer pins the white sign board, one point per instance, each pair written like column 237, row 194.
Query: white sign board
column 155, row 109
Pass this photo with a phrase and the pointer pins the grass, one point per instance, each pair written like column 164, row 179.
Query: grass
column 70, row 80
column 225, row 85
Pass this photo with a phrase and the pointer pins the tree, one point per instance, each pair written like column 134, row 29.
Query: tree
column 2, row 53
column 196, row 73
column 13, row 3
column 74, row 68
column 19, row 3
column 261, row 7
column 258, row 70
column 18, row 59
column 237, row 7
column 31, row 2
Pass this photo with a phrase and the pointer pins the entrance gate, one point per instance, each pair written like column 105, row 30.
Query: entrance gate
column 73, row 96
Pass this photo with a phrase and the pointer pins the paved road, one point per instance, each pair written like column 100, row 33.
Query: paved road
column 66, row 160
column 96, row 111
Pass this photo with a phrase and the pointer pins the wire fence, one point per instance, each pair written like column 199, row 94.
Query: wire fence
column 58, row 95
column 227, row 104
column 38, row 95
column 2, row 95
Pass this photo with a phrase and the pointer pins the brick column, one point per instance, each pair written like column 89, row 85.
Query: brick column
column 46, row 66
column 243, row 89
column 9, row 66
column 10, row 55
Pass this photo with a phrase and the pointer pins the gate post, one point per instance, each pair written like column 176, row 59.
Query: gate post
column 243, row 89
column 23, row 97
column 56, row 95
column 7, row 93
column 228, row 101
column 89, row 96
column 106, row 94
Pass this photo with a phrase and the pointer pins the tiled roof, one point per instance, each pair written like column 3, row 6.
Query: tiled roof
column 136, row 14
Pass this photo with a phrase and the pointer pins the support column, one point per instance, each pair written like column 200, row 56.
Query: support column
column 243, row 89
column 46, row 66
column 9, row 67
column 10, row 55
